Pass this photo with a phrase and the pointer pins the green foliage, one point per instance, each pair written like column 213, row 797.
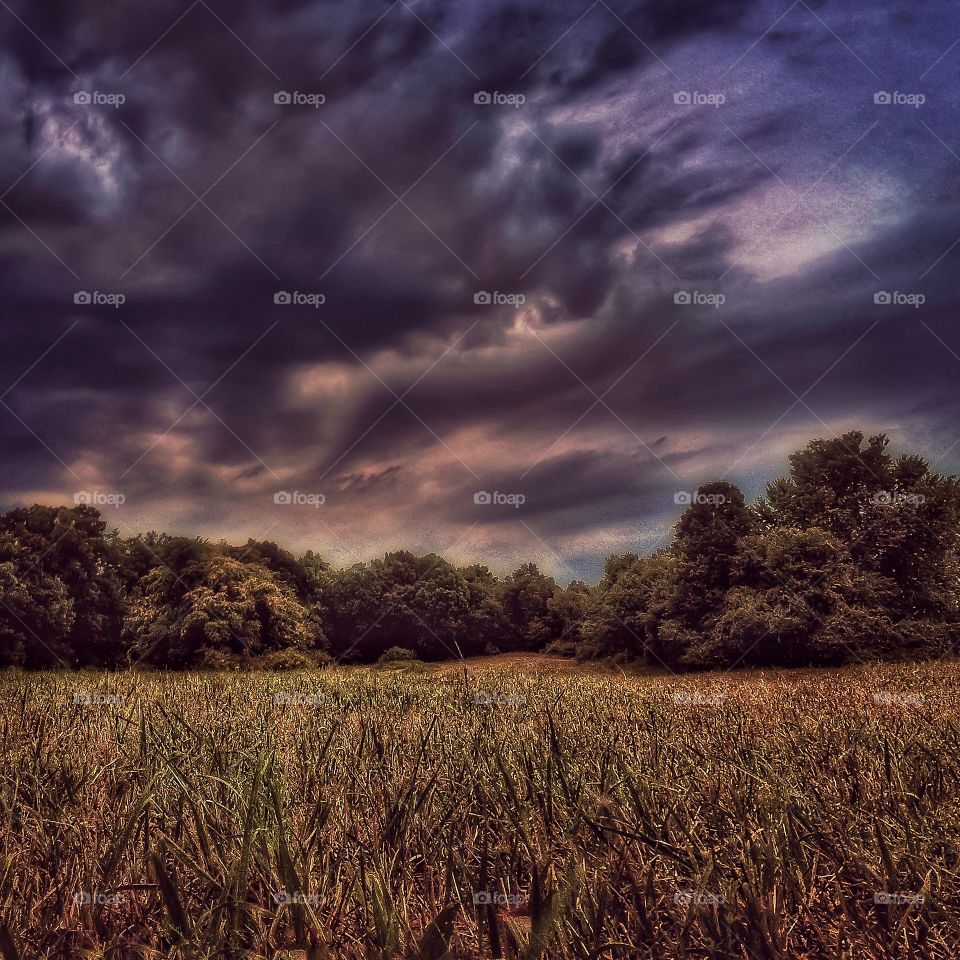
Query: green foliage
column 242, row 609
column 61, row 600
column 290, row 658
column 420, row 602
column 852, row 555
column 36, row 612
column 397, row 654
column 525, row 596
column 617, row 622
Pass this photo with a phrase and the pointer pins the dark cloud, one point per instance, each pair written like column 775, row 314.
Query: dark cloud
column 595, row 201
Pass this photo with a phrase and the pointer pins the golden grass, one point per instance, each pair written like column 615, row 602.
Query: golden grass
column 531, row 810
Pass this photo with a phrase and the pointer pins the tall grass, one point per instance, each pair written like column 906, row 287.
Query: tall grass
column 371, row 813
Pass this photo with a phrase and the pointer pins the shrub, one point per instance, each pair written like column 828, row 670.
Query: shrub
column 396, row 654
column 213, row 658
column 281, row 660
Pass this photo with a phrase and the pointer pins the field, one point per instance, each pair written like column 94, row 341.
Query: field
column 514, row 808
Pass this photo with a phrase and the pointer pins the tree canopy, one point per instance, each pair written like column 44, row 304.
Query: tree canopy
column 852, row 555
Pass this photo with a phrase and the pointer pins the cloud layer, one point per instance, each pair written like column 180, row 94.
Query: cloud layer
column 592, row 255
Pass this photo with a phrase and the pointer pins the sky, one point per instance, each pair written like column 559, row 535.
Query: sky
column 502, row 281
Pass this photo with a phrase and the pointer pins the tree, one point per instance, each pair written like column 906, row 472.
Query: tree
column 899, row 519
column 139, row 555
column 354, row 600
column 829, row 483
column 853, row 554
column 617, row 620
column 487, row 628
column 705, row 549
column 242, row 609
column 433, row 608
column 300, row 575
column 36, row 612
column 795, row 593
column 403, row 600
column 61, row 553
column 562, row 624
column 525, row 595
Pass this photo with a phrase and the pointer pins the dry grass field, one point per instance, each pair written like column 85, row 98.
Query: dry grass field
column 524, row 808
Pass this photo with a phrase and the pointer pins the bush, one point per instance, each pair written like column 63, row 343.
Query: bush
column 281, row 660
column 213, row 658
column 277, row 661
column 397, row 654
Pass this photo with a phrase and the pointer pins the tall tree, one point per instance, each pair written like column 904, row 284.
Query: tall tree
column 241, row 609
column 64, row 552
column 525, row 596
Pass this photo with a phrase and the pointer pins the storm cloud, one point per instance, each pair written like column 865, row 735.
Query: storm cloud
column 401, row 255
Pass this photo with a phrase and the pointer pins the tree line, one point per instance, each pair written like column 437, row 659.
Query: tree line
column 852, row 555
